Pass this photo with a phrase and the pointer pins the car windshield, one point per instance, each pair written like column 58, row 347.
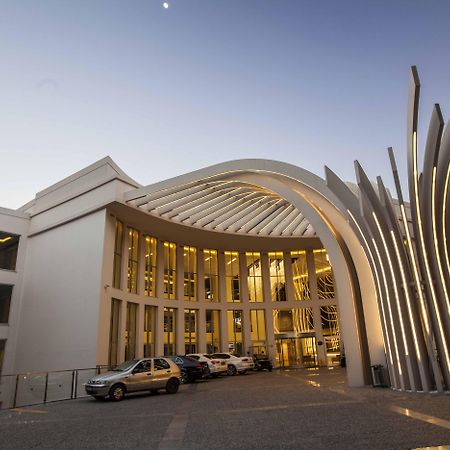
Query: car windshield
column 125, row 366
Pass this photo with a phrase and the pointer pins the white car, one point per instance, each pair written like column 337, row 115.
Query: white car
column 216, row 366
column 236, row 364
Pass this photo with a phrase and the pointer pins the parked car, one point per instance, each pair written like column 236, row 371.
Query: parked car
column 146, row 374
column 216, row 366
column 191, row 370
column 235, row 364
column 262, row 363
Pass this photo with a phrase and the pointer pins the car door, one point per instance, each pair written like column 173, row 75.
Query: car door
column 141, row 377
column 161, row 372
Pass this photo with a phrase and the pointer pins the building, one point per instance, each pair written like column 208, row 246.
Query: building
column 245, row 256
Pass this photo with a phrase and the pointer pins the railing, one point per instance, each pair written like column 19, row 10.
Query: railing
column 35, row 388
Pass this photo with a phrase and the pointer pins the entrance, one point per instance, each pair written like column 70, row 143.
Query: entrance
column 296, row 352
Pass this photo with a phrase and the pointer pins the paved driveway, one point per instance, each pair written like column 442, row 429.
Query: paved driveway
column 281, row 410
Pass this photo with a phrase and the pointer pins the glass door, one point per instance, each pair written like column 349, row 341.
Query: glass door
column 296, row 352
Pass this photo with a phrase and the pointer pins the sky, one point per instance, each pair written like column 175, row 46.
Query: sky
column 167, row 91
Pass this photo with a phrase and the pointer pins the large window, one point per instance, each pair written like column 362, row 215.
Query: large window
column 331, row 333
column 169, row 331
column 324, row 274
column 232, row 276
column 118, row 244
column 5, row 302
column 211, row 275
column 190, row 273
column 235, row 339
column 150, row 266
column 133, row 260
column 258, row 331
column 130, row 331
column 149, row 330
column 300, row 275
column 277, row 277
column 297, row 320
column 212, row 331
column 254, row 277
column 9, row 244
column 114, row 332
column 190, row 331
column 170, row 270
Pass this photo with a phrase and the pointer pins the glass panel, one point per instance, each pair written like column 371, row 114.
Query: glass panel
column 254, row 277
column 30, row 389
column 212, row 331
column 5, row 301
column 59, row 386
column 258, row 324
column 149, row 330
column 9, row 244
column 190, row 331
column 300, row 276
column 130, row 331
column 331, row 333
column 235, row 340
column 150, row 266
column 297, row 320
column 211, row 275
column 169, row 331
column 190, row 273
column 117, row 271
column 114, row 332
column 133, row 262
column 170, row 270
column 232, row 280
column 277, row 277
column 296, row 352
column 324, row 274
column 83, row 376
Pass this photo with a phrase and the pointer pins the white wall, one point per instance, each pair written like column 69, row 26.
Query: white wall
column 60, row 306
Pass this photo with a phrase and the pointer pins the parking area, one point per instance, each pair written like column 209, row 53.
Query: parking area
column 298, row 409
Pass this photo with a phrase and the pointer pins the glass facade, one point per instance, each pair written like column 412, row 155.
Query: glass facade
column 130, row 331
column 150, row 330
column 190, row 331
column 324, row 274
column 254, row 277
column 232, row 278
column 133, row 260
column 118, row 249
column 5, row 302
column 169, row 331
column 211, row 275
column 9, row 245
column 293, row 341
column 150, row 266
column 170, row 270
column 212, row 331
column 190, row 273
column 235, row 337
column 114, row 327
column 277, row 277
column 300, row 275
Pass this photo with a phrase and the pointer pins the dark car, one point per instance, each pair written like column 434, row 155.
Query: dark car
column 191, row 370
column 262, row 363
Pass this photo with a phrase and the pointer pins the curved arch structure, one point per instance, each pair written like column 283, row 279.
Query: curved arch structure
column 393, row 281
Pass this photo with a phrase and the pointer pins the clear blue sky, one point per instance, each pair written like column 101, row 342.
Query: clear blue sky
column 164, row 92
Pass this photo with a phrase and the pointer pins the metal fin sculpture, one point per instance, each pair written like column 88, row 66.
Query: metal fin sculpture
column 410, row 258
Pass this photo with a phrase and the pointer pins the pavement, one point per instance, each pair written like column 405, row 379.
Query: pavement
column 297, row 409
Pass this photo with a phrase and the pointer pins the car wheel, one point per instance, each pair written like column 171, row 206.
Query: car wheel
column 231, row 370
column 117, row 392
column 172, row 386
column 184, row 377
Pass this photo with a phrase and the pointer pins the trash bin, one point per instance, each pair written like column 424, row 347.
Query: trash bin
column 379, row 376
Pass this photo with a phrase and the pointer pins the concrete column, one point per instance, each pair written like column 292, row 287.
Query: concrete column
column 222, row 287
column 140, row 330
column 244, row 295
column 122, row 330
column 125, row 255
column 200, row 276
column 201, row 330
column 141, row 265
column 246, row 331
column 289, row 276
column 224, row 330
column 270, row 337
column 159, row 272
column 179, row 326
column 265, row 272
column 180, row 275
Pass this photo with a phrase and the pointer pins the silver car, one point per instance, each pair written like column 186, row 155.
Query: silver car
column 146, row 374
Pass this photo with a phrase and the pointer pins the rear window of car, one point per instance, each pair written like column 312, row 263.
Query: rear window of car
column 221, row 356
column 194, row 357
